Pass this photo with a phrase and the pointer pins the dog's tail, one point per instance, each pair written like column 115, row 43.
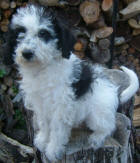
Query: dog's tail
column 133, row 87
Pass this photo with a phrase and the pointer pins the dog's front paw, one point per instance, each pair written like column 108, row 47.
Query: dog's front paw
column 54, row 152
column 95, row 142
column 40, row 141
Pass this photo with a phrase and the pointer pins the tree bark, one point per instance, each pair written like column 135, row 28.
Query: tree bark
column 11, row 151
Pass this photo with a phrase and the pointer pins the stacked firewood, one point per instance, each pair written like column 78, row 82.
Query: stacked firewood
column 7, row 8
column 131, row 51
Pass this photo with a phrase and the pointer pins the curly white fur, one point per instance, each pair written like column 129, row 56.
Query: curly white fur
column 47, row 91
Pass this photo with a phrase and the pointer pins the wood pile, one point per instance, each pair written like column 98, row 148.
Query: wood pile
column 91, row 22
column 136, row 122
column 7, row 8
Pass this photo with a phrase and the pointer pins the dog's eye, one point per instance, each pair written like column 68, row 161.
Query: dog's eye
column 43, row 33
column 20, row 30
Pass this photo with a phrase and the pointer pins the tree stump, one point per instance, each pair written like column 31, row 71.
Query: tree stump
column 118, row 148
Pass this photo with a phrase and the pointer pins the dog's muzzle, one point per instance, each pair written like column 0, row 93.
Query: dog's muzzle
column 27, row 54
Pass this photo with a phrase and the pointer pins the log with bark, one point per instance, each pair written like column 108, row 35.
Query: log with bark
column 13, row 151
column 131, row 10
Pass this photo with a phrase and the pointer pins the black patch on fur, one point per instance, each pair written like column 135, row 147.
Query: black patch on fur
column 83, row 85
column 45, row 35
column 11, row 42
column 66, row 40
column 19, row 29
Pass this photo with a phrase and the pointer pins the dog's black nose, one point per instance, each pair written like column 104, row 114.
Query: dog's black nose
column 27, row 54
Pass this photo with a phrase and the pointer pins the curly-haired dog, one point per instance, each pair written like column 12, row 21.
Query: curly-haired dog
column 63, row 91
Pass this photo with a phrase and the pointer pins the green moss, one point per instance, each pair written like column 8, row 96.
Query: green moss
column 2, row 73
column 21, row 121
column 15, row 89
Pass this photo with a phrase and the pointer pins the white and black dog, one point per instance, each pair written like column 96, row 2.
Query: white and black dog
column 63, row 91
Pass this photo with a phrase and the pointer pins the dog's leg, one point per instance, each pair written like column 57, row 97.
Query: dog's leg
column 42, row 135
column 101, row 128
column 101, row 119
column 40, row 125
column 59, row 137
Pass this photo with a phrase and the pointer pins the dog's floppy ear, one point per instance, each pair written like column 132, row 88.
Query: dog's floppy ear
column 65, row 37
column 9, row 47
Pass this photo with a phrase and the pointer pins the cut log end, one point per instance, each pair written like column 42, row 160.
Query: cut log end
column 90, row 11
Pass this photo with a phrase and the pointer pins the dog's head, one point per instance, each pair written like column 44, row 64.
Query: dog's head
column 36, row 36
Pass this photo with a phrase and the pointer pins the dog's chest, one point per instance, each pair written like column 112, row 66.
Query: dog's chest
column 47, row 92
